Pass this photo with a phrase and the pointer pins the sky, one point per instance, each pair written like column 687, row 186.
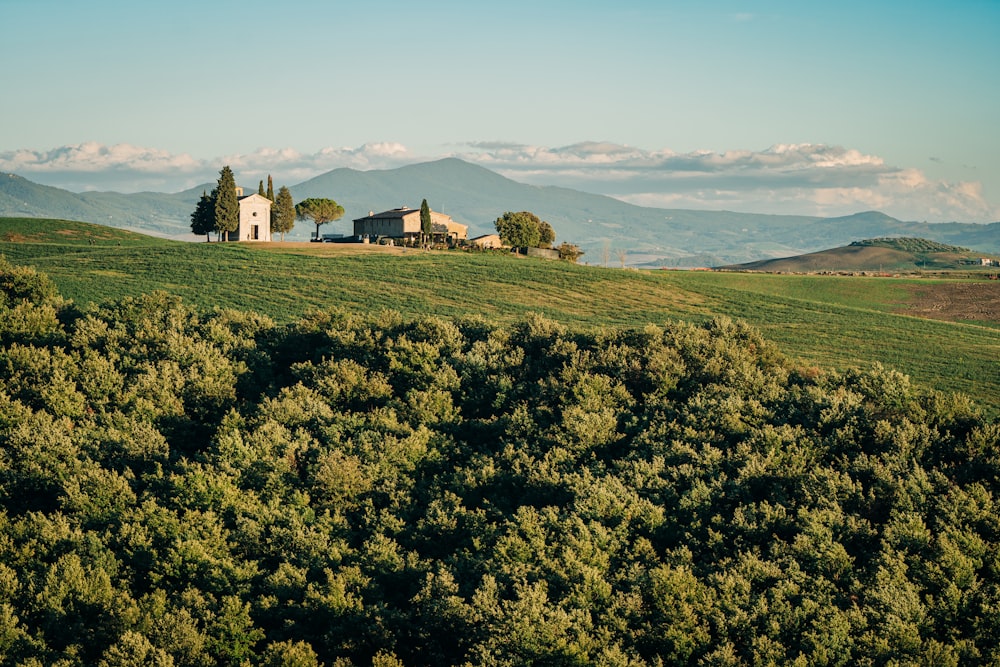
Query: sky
column 772, row 107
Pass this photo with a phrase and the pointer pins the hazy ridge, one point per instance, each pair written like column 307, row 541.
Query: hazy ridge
column 601, row 225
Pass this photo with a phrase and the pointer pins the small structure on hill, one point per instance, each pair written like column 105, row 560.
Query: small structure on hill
column 255, row 218
column 540, row 253
column 486, row 241
column 404, row 223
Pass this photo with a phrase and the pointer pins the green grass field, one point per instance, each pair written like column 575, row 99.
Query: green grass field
column 827, row 321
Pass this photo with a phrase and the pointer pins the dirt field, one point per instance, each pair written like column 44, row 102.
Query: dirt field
column 956, row 301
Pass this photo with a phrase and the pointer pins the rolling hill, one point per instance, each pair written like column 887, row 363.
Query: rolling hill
column 601, row 225
column 421, row 472
column 898, row 254
column 153, row 213
column 829, row 321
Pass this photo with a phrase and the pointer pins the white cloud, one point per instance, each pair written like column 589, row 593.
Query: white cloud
column 94, row 157
column 367, row 156
column 127, row 168
column 812, row 179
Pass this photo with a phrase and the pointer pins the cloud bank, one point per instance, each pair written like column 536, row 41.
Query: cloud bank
column 127, row 168
column 807, row 179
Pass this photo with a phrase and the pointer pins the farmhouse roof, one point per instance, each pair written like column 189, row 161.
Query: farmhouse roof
column 400, row 212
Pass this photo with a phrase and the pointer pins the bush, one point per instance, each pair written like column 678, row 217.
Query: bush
column 191, row 488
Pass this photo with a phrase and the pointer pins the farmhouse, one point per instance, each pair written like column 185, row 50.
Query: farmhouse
column 404, row 223
column 486, row 241
column 255, row 218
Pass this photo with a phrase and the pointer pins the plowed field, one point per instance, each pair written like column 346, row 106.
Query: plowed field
column 957, row 301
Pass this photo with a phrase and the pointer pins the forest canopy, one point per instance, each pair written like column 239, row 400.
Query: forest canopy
column 198, row 488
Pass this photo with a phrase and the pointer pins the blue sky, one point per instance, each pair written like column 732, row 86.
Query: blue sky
column 790, row 107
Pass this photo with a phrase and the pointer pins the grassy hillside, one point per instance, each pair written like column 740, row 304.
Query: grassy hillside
column 827, row 321
column 161, row 213
column 213, row 488
column 36, row 231
column 905, row 254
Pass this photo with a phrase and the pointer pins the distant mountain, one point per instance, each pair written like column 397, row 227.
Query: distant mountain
column 477, row 196
column 895, row 254
column 150, row 212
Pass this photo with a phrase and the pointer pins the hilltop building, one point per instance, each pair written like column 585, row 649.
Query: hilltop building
column 255, row 218
column 486, row 241
column 404, row 223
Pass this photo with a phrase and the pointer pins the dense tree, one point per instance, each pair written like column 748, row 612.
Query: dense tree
column 203, row 216
column 283, row 213
column 524, row 230
column 30, row 306
column 227, row 205
column 319, row 211
column 546, row 235
column 270, row 189
column 196, row 488
column 426, row 225
column 260, row 188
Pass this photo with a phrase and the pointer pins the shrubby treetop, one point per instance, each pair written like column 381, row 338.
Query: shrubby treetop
column 524, row 230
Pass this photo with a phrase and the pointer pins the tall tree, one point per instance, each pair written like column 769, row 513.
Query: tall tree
column 227, row 205
column 260, row 188
column 426, row 226
column 319, row 211
column 270, row 189
column 283, row 212
column 203, row 216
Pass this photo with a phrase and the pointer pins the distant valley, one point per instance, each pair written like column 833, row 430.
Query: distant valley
column 608, row 230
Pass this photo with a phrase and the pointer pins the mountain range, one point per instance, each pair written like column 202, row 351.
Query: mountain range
column 476, row 196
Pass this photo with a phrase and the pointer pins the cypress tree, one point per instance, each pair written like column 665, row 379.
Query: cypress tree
column 203, row 217
column 283, row 213
column 426, row 227
column 227, row 205
column 270, row 189
column 260, row 188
